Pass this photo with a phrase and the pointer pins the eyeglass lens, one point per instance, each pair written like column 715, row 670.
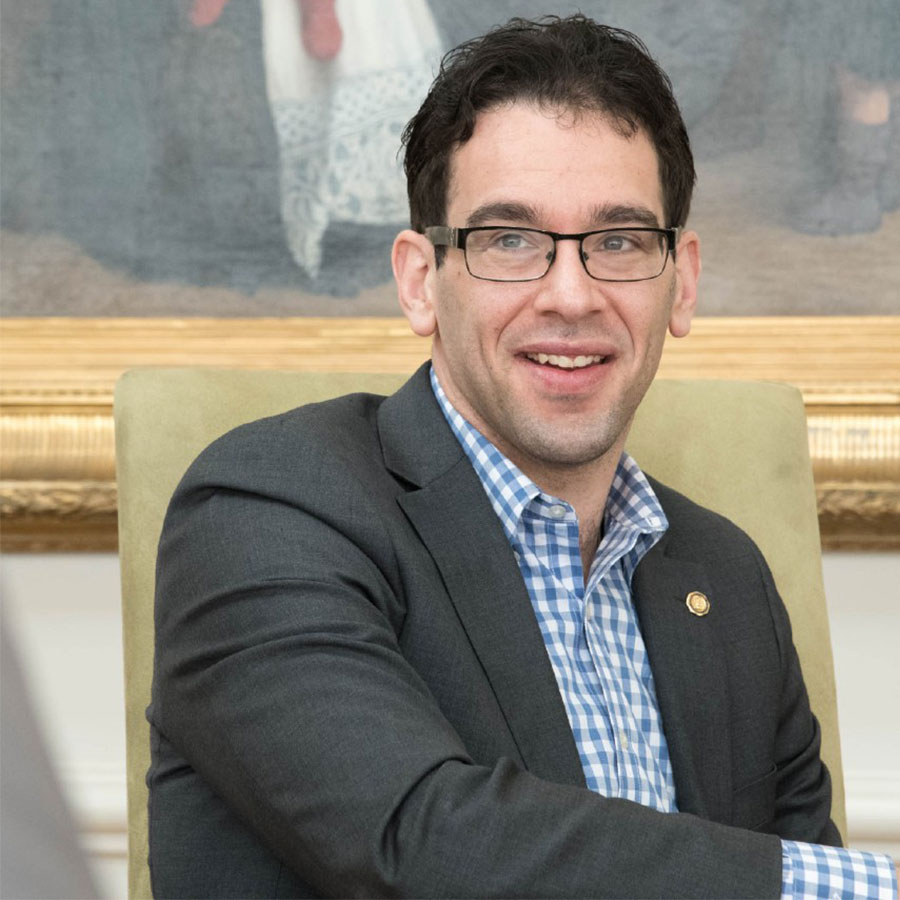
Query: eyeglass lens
column 512, row 254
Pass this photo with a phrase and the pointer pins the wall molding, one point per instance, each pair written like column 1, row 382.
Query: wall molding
column 873, row 805
column 98, row 795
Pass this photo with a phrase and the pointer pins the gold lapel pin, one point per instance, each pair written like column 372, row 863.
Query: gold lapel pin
column 697, row 603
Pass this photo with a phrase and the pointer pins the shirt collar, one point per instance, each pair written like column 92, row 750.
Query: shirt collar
column 631, row 505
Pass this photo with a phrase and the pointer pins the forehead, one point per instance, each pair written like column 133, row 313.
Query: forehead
column 563, row 164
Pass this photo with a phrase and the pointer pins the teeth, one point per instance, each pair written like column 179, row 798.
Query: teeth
column 565, row 362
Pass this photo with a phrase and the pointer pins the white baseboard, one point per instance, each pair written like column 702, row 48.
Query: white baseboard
column 99, row 801
column 873, row 805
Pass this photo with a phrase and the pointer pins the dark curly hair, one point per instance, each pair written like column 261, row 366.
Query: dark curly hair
column 570, row 63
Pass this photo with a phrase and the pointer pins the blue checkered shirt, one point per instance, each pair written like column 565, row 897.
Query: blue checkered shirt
column 595, row 647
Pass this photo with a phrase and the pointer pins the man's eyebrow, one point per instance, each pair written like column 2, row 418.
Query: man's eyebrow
column 521, row 213
column 617, row 214
column 603, row 215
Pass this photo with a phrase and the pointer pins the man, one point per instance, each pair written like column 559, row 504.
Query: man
column 424, row 645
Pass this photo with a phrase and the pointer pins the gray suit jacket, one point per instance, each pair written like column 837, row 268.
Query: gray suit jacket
column 352, row 695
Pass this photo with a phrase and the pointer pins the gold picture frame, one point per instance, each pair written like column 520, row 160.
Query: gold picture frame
column 58, row 492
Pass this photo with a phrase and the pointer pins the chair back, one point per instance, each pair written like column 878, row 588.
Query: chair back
column 739, row 448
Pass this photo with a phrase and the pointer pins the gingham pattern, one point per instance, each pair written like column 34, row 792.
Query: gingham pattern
column 811, row 870
column 598, row 656
column 591, row 633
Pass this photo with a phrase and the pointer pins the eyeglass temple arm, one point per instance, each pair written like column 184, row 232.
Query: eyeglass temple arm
column 443, row 236
column 674, row 238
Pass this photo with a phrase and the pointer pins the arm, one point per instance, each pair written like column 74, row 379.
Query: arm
column 281, row 679
column 803, row 789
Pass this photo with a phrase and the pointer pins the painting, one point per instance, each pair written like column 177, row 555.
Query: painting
column 218, row 183
column 239, row 158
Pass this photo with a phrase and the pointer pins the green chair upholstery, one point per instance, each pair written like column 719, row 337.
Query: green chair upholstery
column 737, row 447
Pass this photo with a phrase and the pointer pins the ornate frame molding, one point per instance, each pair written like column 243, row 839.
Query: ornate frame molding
column 56, row 431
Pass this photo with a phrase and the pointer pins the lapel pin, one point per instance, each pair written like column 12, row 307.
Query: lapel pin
column 697, row 603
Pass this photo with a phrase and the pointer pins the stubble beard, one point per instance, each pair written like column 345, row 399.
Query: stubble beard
column 531, row 441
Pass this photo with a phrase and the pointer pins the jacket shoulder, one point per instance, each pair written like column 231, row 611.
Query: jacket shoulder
column 698, row 532
column 330, row 440
column 326, row 425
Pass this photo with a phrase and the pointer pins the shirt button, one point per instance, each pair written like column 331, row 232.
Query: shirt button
column 623, row 740
column 557, row 511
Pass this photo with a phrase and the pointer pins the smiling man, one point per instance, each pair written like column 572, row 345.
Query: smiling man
column 415, row 645
column 546, row 341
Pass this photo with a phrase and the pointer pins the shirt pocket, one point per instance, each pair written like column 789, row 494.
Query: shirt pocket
column 753, row 805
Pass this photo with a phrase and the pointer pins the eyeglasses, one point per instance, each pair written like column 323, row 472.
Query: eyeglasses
column 497, row 253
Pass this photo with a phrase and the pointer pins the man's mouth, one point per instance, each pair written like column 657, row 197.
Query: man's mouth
column 565, row 362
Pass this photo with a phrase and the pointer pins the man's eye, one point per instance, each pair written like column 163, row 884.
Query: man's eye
column 617, row 243
column 511, row 240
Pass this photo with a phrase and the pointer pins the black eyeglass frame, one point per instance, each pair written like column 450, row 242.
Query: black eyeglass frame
column 455, row 238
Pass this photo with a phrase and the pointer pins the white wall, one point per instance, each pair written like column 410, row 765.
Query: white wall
column 863, row 593
column 64, row 612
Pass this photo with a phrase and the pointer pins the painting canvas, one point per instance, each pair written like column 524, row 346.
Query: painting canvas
column 241, row 157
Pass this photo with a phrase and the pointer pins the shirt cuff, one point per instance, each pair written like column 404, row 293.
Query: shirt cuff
column 814, row 870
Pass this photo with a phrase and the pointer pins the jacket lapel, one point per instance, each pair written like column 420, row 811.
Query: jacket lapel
column 454, row 519
column 690, row 676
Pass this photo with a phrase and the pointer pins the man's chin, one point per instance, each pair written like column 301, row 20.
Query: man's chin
column 564, row 449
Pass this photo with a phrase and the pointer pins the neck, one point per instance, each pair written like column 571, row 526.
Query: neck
column 586, row 489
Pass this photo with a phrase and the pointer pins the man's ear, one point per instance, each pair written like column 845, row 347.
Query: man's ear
column 413, row 260
column 687, row 274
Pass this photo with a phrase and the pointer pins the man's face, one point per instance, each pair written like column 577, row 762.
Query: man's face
column 527, row 167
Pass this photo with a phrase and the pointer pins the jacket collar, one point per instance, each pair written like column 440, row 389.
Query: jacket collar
column 418, row 445
column 453, row 517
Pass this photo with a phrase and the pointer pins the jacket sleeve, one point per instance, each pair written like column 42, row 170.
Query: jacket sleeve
column 280, row 679
column 803, row 784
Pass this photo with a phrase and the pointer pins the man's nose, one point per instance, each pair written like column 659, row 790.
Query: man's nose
column 567, row 289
